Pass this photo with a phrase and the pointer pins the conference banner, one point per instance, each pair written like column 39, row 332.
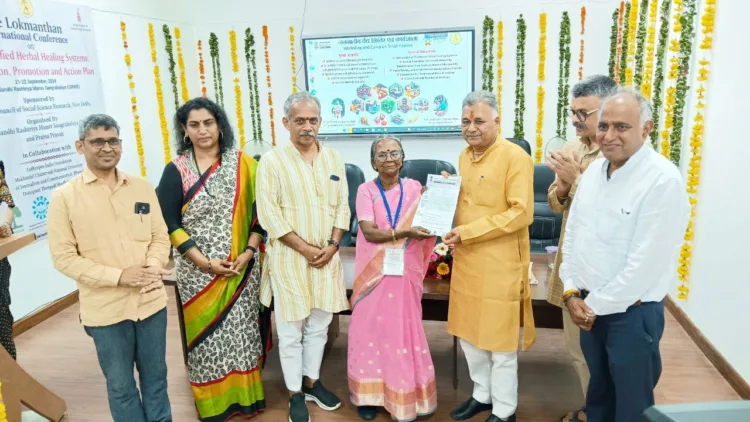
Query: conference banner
column 49, row 81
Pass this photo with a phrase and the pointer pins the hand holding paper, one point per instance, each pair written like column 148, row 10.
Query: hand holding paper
column 438, row 205
column 453, row 237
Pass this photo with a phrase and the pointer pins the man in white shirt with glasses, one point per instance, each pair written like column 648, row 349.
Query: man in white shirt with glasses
column 620, row 255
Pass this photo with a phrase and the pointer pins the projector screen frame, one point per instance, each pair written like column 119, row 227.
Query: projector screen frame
column 415, row 135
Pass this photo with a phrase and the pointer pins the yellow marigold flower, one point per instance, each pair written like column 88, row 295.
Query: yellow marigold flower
column 443, row 269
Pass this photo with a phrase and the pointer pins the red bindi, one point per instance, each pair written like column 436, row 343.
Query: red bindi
column 471, row 115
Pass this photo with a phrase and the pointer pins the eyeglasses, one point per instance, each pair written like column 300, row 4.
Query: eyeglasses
column 383, row 157
column 582, row 115
column 99, row 143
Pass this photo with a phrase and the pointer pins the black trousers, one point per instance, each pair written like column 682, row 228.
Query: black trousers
column 622, row 353
column 6, row 318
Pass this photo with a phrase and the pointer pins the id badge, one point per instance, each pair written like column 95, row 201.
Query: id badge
column 393, row 263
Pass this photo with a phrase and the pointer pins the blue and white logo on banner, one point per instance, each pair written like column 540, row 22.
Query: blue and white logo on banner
column 39, row 207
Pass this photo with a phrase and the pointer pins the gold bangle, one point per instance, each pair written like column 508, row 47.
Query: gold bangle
column 393, row 234
column 569, row 296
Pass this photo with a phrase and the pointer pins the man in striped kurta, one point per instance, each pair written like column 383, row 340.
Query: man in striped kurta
column 303, row 205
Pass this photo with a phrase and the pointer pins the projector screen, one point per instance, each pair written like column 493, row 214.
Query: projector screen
column 391, row 83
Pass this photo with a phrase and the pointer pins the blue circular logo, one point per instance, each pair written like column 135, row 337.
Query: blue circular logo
column 39, row 207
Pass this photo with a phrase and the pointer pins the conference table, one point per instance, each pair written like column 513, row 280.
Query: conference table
column 434, row 301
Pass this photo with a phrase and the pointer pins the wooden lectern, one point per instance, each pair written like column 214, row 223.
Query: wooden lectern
column 18, row 387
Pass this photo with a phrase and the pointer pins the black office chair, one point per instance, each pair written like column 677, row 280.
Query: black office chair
column 354, row 177
column 521, row 143
column 420, row 169
column 545, row 230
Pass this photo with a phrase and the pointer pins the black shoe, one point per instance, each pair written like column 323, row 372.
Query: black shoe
column 321, row 396
column 469, row 409
column 493, row 418
column 298, row 409
column 367, row 413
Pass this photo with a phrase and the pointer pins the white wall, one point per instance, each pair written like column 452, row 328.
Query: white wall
column 719, row 281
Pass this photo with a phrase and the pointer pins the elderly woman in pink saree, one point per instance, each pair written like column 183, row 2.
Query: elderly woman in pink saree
column 389, row 363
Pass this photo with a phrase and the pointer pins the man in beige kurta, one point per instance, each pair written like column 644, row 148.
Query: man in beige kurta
column 302, row 203
column 490, row 296
column 568, row 166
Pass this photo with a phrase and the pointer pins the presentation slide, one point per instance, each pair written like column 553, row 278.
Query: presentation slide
column 391, row 83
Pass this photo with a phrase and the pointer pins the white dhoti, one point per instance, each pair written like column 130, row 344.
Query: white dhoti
column 495, row 377
column 301, row 346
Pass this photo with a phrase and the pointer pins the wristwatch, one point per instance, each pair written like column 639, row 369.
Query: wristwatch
column 334, row 243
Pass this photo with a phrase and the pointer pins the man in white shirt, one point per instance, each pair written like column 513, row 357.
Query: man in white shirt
column 620, row 253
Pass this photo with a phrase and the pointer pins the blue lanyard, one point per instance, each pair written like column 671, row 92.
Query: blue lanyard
column 387, row 207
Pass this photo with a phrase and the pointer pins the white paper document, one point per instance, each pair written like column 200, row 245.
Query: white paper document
column 438, row 205
column 393, row 262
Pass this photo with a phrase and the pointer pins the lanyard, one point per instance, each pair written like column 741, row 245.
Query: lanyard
column 387, row 207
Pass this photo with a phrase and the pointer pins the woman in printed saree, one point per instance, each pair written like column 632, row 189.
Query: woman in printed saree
column 389, row 362
column 207, row 196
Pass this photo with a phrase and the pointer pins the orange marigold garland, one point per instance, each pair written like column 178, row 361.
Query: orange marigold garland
column 133, row 102
column 540, row 89
column 583, row 31
column 670, row 101
column 618, row 55
column 237, row 89
column 648, row 70
column 499, row 75
column 696, row 144
column 630, row 53
column 159, row 97
column 268, row 83
column 181, row 66
column 201, row 69
column 293, row 60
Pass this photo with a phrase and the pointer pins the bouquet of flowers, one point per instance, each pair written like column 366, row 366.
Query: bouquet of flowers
column 441, row 262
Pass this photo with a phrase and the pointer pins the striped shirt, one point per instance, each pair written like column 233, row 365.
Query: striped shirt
column 309, row 200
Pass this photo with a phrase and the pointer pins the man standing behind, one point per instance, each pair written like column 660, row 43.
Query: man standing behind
column 568, row 166
column 107, row 233
column 620, row 253
column 303, row 205
column 490, row 283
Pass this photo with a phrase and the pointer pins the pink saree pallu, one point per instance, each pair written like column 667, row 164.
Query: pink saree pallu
column 389, row 362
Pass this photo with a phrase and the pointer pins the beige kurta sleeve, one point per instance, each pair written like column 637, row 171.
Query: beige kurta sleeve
column 269, row 201
column 520, row 214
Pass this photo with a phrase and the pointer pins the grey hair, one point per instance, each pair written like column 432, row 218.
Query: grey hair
column 300, row 97
column 377, row 140
column 645, row 108
column 595, row 86
column 481, row 97
column 97, row 121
